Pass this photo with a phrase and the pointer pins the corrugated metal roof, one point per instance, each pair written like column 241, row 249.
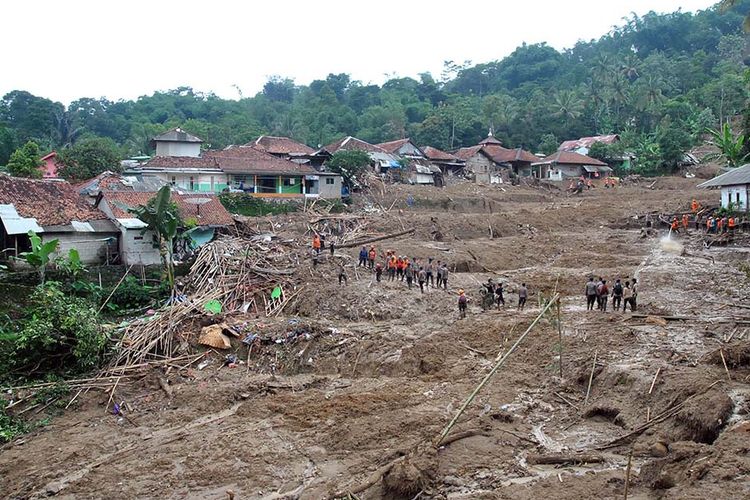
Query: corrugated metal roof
column 131, row 223
column 15, row 224
column 739, row 175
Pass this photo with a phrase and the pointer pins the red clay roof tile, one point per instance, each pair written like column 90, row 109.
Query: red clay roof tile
column 51, row 203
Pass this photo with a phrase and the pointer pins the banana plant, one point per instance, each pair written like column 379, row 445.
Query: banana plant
column 162, row 218
column 39, row 256
column 730, row 146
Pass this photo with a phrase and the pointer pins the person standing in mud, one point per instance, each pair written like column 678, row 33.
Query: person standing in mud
column 590, row 291
column 462, row 303
column 429, row 273
column 603, row 293
column 634, row 298
column 598, row 295
column 523, row 294
column 362, row 257
column 499, row 295
column 617, row 295
column 421, row 278
column 627, row 297
column 445, row 276
column 343, row 278
column 488, row 295
column 371, row 256
column 316, row 244
column 439, row 273
column 409, row 274
column 400, row 268
column 378, row 271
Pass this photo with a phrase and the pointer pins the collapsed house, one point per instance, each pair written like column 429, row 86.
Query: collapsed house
column 416, row 167
column 54, row 211
column 203, row 212
column 449, row 165
column 490, row 163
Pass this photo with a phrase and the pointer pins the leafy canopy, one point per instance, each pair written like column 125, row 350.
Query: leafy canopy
column 350, row 164
column 88, row 158
column 25, row 161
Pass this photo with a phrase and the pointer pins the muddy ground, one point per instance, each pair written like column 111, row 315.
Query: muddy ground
column 375, row 371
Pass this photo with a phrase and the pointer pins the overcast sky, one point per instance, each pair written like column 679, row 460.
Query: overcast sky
column 80, row 48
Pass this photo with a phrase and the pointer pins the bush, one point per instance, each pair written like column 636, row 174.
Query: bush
column 10, row 426
column 244, row 204
column 131, row 294
column 58, row 333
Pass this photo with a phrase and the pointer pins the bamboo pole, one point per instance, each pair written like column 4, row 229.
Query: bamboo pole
column 492, row 372
column 559, row 336
column 724, row 361
column 591, row 379
column 627, row 473
column 115, row 288
column 654, row 381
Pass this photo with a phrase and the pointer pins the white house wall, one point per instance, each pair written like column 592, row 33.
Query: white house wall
column 137, row 248
column 737, row 195
column 330, row 191
column 178, row 149
column 92, row 247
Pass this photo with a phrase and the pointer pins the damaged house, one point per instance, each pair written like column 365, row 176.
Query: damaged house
column 416, row 167
column 53, row 210
column 564, row 165
column 489, row 162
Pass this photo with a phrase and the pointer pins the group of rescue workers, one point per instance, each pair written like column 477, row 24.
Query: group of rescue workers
column 711, row 224
column 623, row 295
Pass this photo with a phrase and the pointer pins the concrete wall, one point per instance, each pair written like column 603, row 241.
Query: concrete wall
column 561, row 172
column 481, row 166
column 330, row 191
column 137, row 248
column 92, row 247
column 737, row 195
column 178, row 149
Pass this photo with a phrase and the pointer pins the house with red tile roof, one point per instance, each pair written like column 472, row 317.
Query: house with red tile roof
column 415, row 166
column 490, row 162
column 282, row 147
column 249, row 168
column 53, row 209
column 564, row 165
column 447, row 163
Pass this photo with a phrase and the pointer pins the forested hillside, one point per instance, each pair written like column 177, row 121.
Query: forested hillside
column 659, row 80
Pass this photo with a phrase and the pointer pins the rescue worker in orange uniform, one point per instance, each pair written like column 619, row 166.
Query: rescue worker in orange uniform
column 694, row 206
column 732, row 223
column 675, row 225
column 316, row 243
column 685, row 222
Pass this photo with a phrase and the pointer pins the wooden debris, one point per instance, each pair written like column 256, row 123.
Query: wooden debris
column 591, row 379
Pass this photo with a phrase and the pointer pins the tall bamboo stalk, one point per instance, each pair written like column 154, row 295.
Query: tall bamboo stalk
column 494, row 369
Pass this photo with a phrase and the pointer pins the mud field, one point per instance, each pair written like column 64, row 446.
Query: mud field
column 358, row 398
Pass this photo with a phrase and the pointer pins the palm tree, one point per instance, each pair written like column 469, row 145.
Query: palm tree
column 629, row 67
column 567, row 105
column 726, row 5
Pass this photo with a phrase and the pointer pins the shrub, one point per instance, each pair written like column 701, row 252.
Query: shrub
column 58, row 333
column 244, row 204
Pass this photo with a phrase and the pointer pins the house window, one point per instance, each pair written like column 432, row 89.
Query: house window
column 330, row 181
column 289, row 181
column 192, row 183
column 174, row 181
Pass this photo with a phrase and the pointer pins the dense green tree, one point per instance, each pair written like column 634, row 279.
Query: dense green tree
column 350, row 164
column 25, row 161
column 88, row 158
